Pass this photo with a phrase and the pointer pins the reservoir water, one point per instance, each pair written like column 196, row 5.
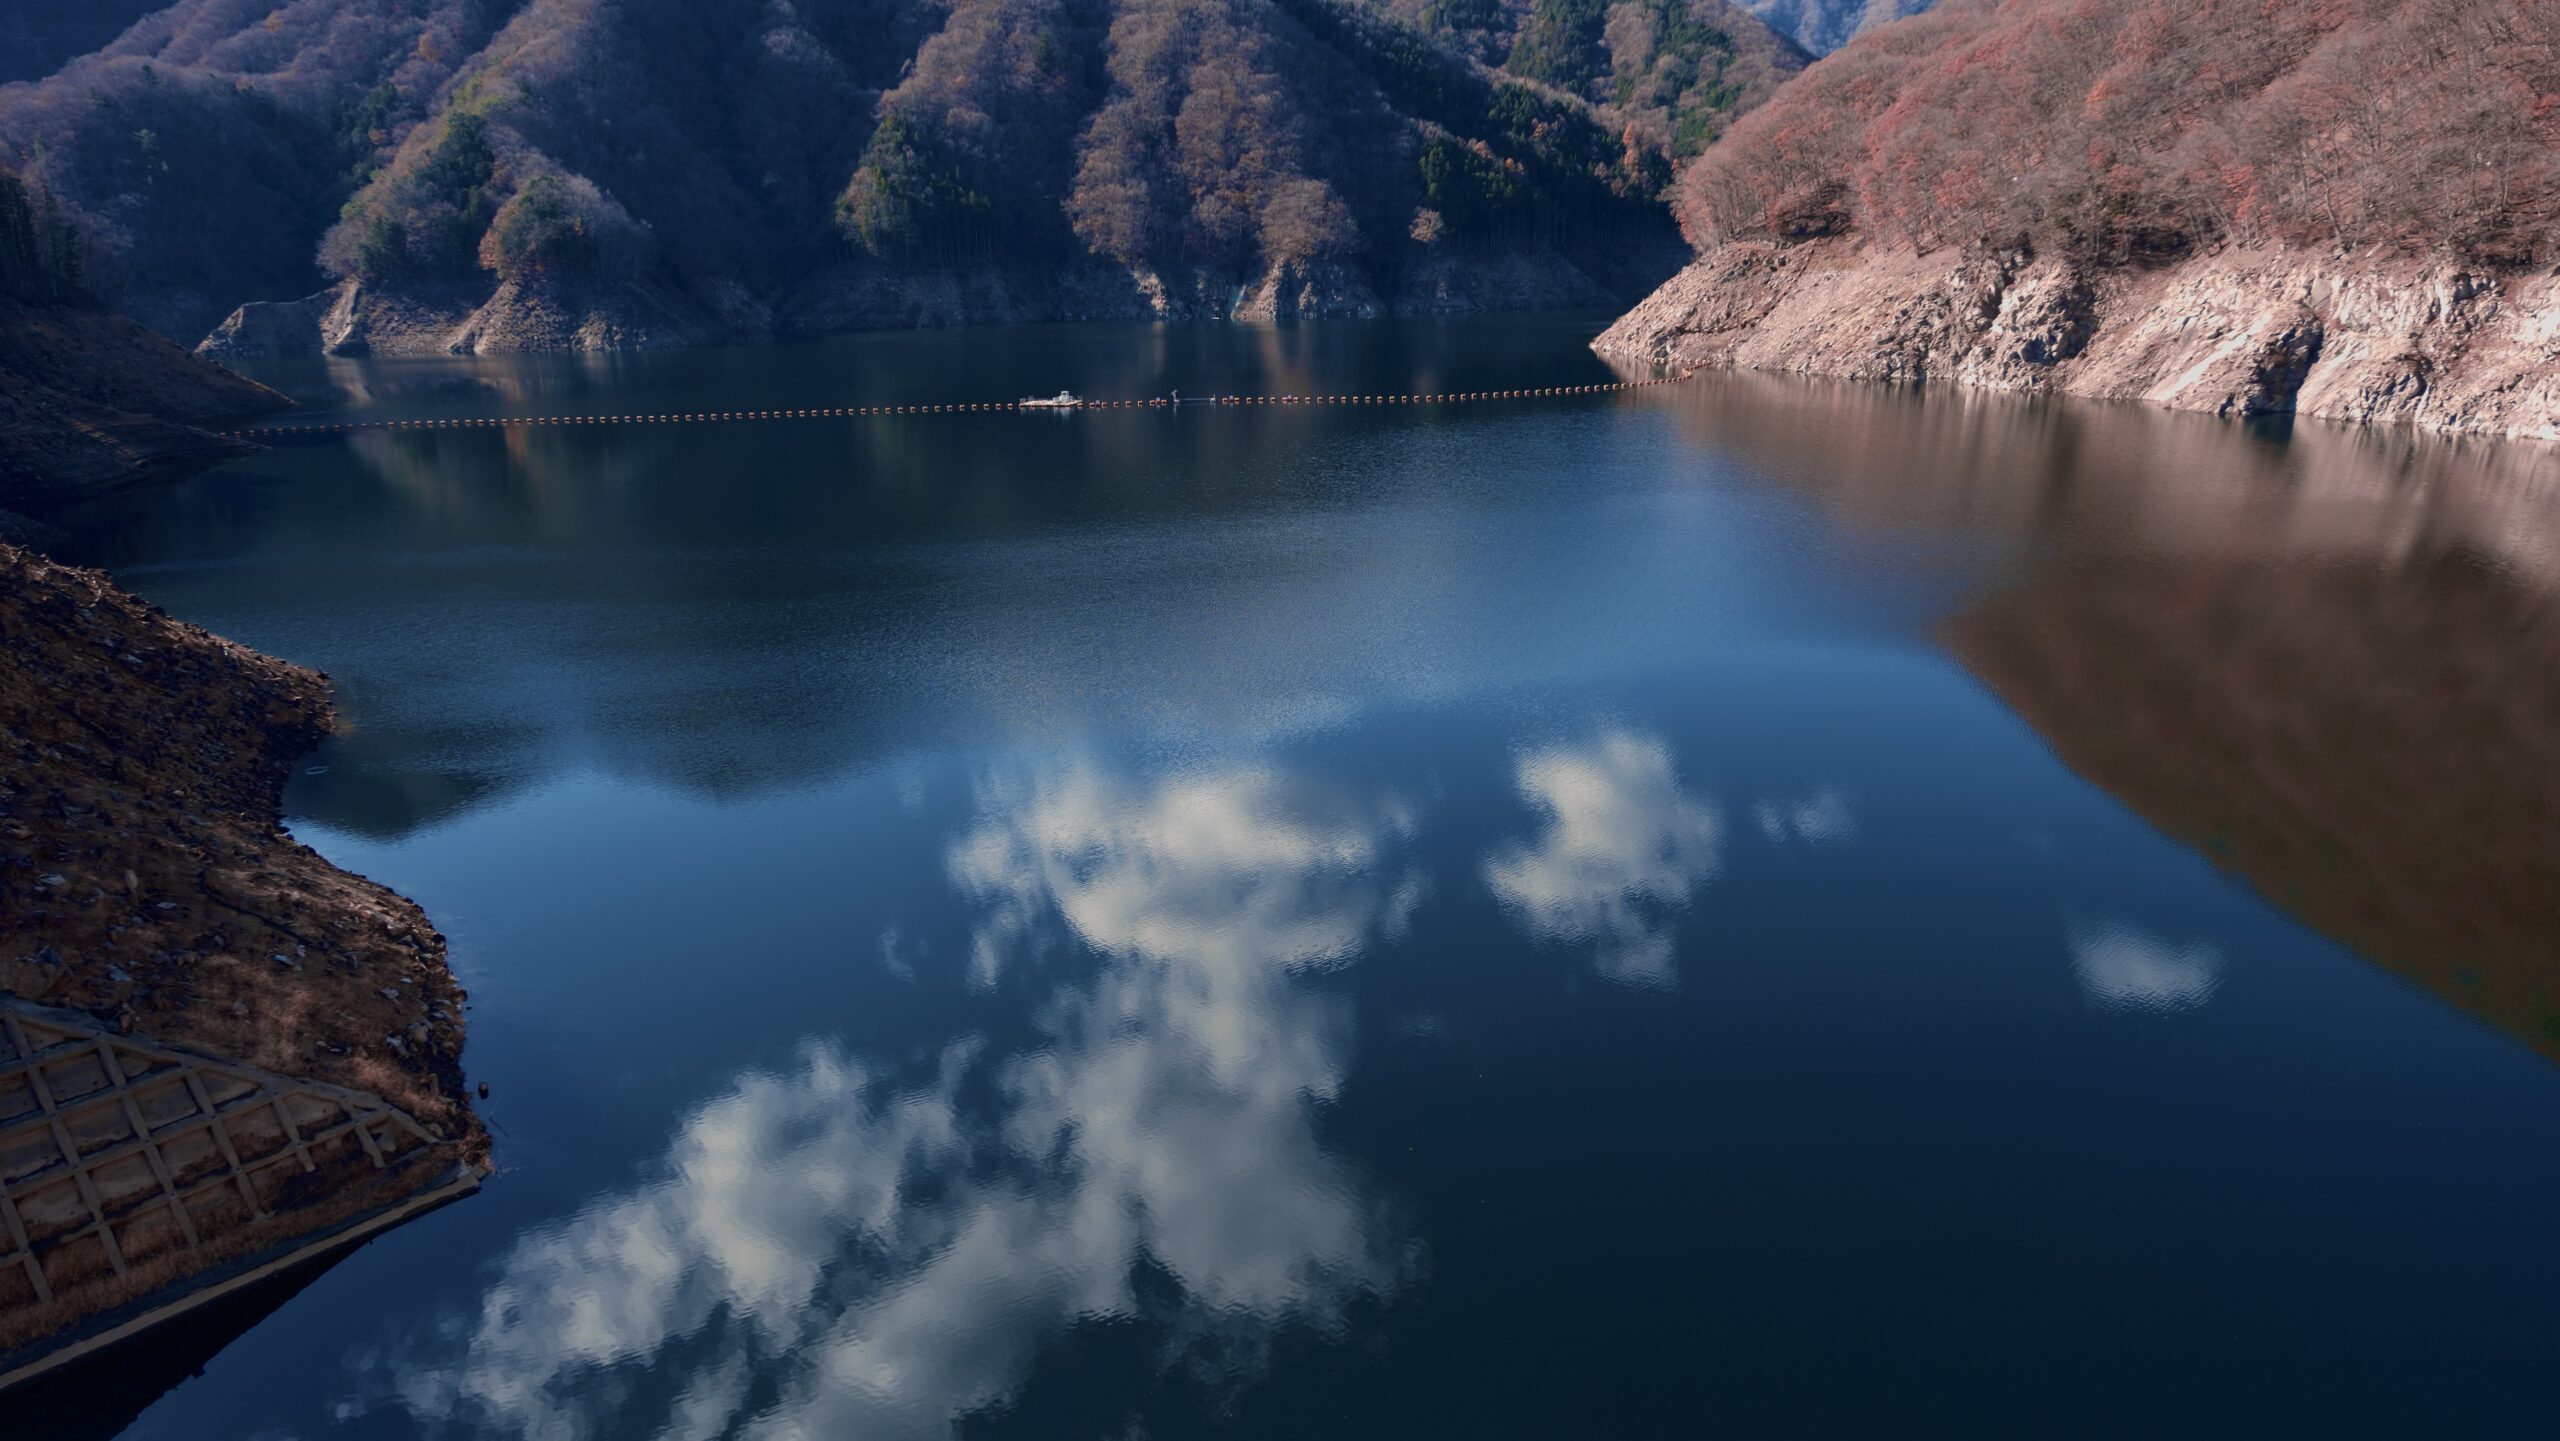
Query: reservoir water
column 1750, row 908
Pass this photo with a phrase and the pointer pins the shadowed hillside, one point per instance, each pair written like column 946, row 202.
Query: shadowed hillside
column 496, row 174
column 89, row 400
column 1676, row 72
column 38, row 37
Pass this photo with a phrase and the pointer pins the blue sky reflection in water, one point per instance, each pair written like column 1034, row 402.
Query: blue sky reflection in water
column 1568, row 918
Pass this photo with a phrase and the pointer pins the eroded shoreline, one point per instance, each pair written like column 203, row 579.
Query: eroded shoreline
column 146, row 882
column 2238, row 332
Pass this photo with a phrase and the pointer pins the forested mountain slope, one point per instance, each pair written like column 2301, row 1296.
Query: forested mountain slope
column 502, row 173
column 1676, row 72
column 206, row 149
column 2343, row 207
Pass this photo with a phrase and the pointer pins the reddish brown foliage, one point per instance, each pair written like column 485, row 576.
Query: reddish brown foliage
column 2127, row 129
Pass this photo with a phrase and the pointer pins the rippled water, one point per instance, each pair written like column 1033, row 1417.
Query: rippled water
column 1757, row 907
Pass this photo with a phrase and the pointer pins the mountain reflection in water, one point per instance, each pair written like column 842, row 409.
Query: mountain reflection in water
column 2330, row 659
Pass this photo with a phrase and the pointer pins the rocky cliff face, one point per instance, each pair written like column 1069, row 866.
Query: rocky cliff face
column 352, row 318
column 2238, row 332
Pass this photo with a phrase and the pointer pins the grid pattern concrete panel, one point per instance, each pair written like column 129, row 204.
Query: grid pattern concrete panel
column 114, row 1150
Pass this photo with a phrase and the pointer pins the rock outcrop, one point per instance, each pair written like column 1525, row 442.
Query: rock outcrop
column 2237, row 332
column 352, row 318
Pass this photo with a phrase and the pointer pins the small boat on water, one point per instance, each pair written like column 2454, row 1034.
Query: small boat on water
column 1063, row 400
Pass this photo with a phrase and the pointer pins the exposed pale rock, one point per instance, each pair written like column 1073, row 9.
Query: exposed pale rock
column 1318, row 288
column 438, row 318
column 2238, row 332
column 535, row 313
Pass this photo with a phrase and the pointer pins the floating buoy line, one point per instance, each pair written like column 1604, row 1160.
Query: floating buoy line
column 987, row 407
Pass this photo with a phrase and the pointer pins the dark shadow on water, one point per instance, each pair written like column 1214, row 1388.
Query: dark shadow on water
column 99, row 1396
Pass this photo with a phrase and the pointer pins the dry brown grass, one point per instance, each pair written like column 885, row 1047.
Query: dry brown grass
column 144, row 879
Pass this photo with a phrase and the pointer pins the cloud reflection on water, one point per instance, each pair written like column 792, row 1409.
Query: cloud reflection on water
column 1817, row 819
column 841, row 1252
column 2121, row 969
column 1621, row 851
column 1235, row 872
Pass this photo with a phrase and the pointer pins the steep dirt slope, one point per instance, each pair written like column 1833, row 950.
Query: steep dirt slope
column 90, row 400
column 144, row 875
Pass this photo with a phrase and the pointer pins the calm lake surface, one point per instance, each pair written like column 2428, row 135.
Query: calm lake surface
column 1748, row 907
